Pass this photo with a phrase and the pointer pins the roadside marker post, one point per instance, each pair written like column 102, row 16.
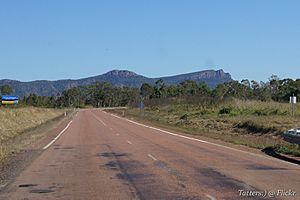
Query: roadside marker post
column 141, row 106
column 293, row 102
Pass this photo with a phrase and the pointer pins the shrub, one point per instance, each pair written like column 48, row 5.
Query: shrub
column 225, row 110
column 184, row 117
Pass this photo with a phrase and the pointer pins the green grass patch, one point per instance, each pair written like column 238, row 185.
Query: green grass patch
column 291, row 149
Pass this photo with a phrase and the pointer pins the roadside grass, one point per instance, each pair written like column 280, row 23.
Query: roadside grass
column 251, row 123
column 15, row 123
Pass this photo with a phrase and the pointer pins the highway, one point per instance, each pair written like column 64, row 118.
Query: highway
column 102, row 156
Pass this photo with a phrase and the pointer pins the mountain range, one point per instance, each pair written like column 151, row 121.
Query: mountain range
column 118, row 78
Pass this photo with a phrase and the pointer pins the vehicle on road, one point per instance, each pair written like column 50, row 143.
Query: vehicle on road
column 292, row 136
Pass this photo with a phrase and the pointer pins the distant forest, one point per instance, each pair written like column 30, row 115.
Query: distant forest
column 103, row 94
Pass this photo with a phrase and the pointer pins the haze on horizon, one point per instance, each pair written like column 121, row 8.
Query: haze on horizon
column 70, row 40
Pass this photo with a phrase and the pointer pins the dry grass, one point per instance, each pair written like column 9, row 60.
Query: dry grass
column 261, row 108
column 17, row 121
column 251, row 123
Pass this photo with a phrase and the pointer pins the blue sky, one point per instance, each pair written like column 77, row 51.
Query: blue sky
column 61, row 39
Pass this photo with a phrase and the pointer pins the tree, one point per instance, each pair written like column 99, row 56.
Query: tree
column 172, row 91
column 235, row 89
column 6, row 90
column 274, row 83
column 146, row 91
column 159, row 88
column 220, row 91
column 246, row 83
column 288, row 87
column 32, row 100
column 204, row 90
column 188, row 87
column 247, row 92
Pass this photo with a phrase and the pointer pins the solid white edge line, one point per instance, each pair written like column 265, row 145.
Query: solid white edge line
column 152, row 157
column 205, row 142
column 56, row 138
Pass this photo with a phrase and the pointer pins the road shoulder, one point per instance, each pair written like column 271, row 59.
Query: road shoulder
column 19, row 161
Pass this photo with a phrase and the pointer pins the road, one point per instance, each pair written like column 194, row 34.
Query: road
column 101, row 156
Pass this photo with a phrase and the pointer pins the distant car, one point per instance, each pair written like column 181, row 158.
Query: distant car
column 292, row 136
column 293, row 132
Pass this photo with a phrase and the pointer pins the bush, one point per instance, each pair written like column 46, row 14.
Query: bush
column 184, row 117
column 225, row 110
column 260, row 113
column 291, row 149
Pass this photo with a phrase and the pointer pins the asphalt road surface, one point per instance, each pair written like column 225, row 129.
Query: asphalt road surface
column 102, row 156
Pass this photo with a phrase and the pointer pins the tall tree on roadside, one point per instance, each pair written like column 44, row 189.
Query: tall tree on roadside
column 6, row 89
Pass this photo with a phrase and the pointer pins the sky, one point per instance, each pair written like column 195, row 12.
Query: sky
column 61, row 39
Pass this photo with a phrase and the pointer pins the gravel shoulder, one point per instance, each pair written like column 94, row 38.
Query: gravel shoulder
column 29, row 146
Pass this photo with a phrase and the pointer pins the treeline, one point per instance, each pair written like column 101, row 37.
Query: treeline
column 95, row 95
column 105, row 95
column 275, row 89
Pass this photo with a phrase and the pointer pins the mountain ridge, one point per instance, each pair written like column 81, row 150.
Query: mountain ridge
column 116, row 77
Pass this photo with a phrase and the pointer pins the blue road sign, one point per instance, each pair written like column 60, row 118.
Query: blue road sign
column 10, row 98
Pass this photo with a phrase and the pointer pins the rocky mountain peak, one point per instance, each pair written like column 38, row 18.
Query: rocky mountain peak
column 121, row 73
column 221, row 74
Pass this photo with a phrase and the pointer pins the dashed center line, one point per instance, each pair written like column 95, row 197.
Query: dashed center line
column 152, row 157
column 129, row 142
column 99, row 119
column 203, row 141
column 211, row 197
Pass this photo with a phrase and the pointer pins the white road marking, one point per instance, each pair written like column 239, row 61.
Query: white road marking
column 117, row 116
column 206, row 142
column 3, row 185
column 117, row 134
column 99, row 119
column 211, row 197
column 152, row 157
column 56, row 138
column 129, row 142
